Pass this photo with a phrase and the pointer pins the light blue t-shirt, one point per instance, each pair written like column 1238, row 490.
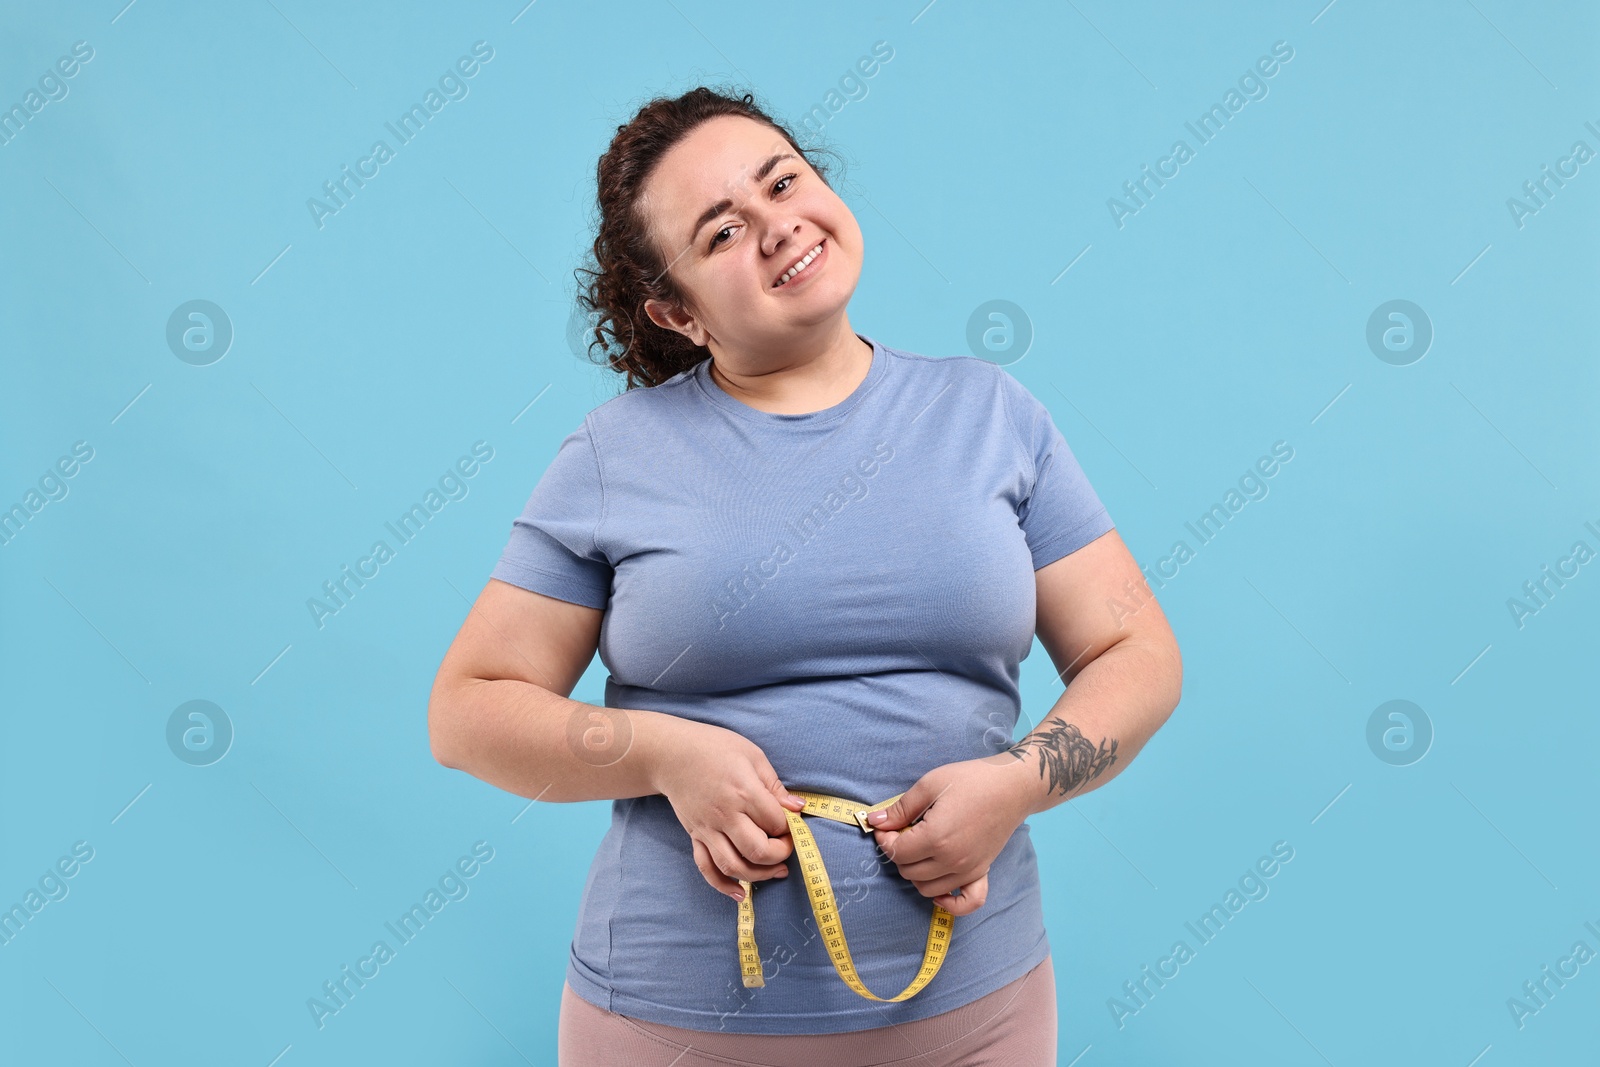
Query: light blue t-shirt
column 852, row 589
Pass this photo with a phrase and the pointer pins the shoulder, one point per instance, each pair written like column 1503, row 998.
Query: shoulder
column 637, row 410
column 976, row 381
column 964, row 368
column 975, row 378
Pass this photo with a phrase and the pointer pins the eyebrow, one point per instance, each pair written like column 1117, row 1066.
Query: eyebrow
column 723, row 205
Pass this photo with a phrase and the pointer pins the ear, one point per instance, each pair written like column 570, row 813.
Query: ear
column 671, row 317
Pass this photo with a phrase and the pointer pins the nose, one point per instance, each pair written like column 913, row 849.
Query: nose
column 779, row 231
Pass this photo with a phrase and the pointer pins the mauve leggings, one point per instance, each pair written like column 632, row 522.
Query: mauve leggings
column 1015, row 1026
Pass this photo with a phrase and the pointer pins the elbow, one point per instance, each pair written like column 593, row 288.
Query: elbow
column 442, row 729
column 442, row 754
column 1174, row 675
column 1165, row 675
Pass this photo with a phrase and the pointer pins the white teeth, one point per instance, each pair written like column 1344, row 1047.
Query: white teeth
column 800, row 266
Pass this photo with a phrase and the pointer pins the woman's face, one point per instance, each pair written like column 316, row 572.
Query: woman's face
column 732, row 207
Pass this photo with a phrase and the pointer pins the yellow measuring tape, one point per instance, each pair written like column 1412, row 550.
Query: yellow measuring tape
column 820, row 890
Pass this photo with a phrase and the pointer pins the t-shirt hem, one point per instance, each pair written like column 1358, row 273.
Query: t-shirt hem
column 554, row 585
column 870, row 1016
column 590, row 990
column 1068, row 542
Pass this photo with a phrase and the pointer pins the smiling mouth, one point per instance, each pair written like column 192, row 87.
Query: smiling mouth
column 800, row 267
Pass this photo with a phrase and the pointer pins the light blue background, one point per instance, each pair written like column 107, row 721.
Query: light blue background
column 430, row 313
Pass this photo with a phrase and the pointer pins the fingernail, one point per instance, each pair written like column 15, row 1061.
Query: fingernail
column 737, row 894
column 796, row 800
column 877, row 817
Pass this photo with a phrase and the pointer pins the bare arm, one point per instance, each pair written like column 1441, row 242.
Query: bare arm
column 499, row 708
column 1100, row 624
column 499, row 711
column 1110, row 640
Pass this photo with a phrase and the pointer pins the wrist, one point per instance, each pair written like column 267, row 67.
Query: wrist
column 658, row 739
column 1027, row 786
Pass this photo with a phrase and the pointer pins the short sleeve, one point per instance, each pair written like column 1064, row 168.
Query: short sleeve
column 552, row 548
column 1059, row 512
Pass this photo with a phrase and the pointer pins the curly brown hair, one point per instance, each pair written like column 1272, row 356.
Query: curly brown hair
column 627, row 267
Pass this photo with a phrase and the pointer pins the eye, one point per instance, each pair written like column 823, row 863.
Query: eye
column 716, row 237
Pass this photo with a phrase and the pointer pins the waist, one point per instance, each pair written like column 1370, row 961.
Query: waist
column 1024, row 1005
column 650, row 921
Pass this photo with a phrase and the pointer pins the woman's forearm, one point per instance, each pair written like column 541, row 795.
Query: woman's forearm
column 1105, row 716
column 535, row 743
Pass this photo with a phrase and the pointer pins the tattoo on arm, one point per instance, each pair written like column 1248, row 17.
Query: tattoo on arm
column 1067, row 759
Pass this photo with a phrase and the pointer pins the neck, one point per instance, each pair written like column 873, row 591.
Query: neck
column 798, row 380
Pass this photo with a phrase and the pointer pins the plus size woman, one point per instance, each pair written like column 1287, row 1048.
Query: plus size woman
column 811, row 563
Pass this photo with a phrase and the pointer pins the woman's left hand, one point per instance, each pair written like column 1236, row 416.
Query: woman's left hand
column 980, row 803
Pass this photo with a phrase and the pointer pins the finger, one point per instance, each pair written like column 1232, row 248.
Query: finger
column 767, row 809
column 936, row 877
column 908, row 846
column 727, row 859
column 973, row 896
column 786, row 798
column 756, row 848
column 729, row 887
column 946, row 886
column 930, row 871
column 906, row 808
column 901, row 813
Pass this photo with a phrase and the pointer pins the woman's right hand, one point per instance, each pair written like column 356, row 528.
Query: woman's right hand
column 729, row 799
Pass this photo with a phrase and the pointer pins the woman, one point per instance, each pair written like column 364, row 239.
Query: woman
column 810, row 562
